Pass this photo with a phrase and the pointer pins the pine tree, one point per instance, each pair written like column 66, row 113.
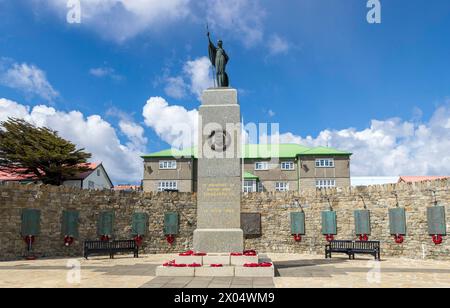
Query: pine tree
column 38, row 151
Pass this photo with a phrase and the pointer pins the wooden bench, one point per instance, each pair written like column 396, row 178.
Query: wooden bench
column 354, row 247
column 110, row 248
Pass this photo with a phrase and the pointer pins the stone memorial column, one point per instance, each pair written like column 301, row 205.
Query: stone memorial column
column 219, row 173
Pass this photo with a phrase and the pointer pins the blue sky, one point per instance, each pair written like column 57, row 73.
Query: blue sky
column 317, row 67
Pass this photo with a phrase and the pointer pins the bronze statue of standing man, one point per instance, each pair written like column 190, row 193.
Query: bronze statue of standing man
column 219, row 60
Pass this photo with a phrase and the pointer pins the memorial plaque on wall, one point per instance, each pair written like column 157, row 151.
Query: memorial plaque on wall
column 251, row 224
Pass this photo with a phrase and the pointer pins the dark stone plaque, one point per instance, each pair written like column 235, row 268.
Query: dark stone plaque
column 251, row 224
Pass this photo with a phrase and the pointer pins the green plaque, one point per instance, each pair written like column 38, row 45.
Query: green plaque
column 70, row 223
column 139, row 224
column 31, row 222
column 298, row 223
column 329, row 225
column 171, row 224
column 106, row 223
column 436, row 220
column 362, row 222
column 397, row 221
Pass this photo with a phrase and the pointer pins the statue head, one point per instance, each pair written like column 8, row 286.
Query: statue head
column 220, row 43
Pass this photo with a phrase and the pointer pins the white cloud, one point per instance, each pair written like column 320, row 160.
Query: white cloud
column 28, row 79
column 199, row 74
column 101, row 72
column 173, row 124
column 271, row 113
column 120, row 20
column 135, row 133
column 243, row 18
column 12, row 109
column 391, row 147
column 123, row 19
column 196, row 77
column 175, row 87
column 278, row 45
column 92, row 133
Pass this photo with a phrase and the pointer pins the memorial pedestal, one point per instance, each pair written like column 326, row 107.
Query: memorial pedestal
column 219, row 174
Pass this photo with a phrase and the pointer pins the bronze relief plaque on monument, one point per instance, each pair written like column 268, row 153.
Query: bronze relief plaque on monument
column 251, row 224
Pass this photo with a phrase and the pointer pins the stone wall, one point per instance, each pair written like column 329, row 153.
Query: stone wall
column 53, row 200
column 415, row 198
column 275, row 209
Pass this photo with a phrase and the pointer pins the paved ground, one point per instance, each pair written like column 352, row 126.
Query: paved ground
column 292, row 271
column 205, row 282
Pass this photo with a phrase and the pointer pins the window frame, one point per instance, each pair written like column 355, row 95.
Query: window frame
column 282, row 186
column 168, row 165
column 246, row 188
column 325, row 183
column 260, row 187
column 167, row 185
column 264, row 164
column 325, row 163
column 290, row 162
column 91, row 185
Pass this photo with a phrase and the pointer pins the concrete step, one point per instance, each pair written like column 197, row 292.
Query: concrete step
column 217, row 258
column 207, row 271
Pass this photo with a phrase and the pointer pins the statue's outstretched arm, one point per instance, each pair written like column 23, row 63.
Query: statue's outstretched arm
column 212, row 51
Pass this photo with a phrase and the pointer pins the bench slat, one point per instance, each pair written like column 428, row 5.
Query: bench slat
column 352, row 247
column 110, row 247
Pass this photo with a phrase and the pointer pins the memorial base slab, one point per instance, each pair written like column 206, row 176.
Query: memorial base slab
column 232, row 266
column 219, row 240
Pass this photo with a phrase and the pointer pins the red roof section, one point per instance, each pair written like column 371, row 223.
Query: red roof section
column 83, row 175
column 14, row 175
column 414, row 179
column 127, row 187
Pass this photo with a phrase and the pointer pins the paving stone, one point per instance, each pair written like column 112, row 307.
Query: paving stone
column 174, row 286
column 241, row 286
column 300, row 271
column 206, row 271
column 223, row 279
column 219, row 286
column 254, row 271
column 152, row 285
column 175, row 271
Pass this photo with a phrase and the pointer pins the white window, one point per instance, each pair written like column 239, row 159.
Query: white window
column 91, row 185
column 249, row 186
column 167, row 185
column 261, row 187
column 168, row 165
column 325, row 183
column 282, row 186
column 287, row 165
column 325, row 163
column 262, row 166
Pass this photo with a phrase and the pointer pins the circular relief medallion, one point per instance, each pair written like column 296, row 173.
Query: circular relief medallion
column 219, row 140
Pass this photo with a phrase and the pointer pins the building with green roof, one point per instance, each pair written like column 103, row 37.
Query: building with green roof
column 283, row 167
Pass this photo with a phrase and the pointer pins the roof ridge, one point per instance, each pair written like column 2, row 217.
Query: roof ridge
column 285, row 150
